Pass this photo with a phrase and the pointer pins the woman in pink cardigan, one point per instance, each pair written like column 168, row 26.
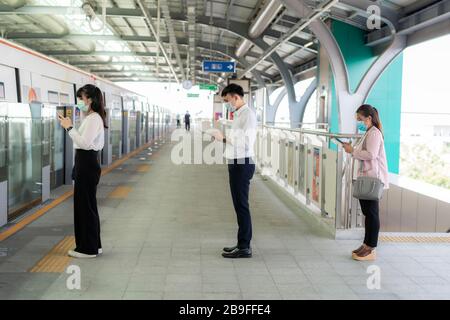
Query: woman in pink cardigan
column 370, row 150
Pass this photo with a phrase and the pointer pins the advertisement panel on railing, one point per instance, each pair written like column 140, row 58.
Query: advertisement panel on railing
column 290, row 166
column 301, row 168
column 316, row 175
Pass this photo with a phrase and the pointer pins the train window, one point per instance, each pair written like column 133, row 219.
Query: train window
column 2, row 91
column 63, row 98
column 53, row 97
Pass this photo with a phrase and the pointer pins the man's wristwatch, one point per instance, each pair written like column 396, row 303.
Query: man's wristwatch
column 69, row 128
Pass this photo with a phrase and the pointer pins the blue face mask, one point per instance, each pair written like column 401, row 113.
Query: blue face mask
column 361, row 126
column 82, row 106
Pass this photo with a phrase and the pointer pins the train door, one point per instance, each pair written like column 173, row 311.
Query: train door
column 106, row 152
column 56, row 139
column 142, row 126
column 138, row 127
column 147, row 118
column 63, row 150
column 125, row 131
column 116, row 131
column 152, row 123
column 156, row 123
column 48, row 114
column 128, row 127
column 132, row 114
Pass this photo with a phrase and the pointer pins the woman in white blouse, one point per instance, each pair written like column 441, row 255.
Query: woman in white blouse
column 88, row 140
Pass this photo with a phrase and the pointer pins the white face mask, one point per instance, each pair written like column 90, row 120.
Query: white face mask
column 229, row 107
column 82, row 106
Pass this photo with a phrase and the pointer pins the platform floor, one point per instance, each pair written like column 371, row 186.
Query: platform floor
column 163, row 230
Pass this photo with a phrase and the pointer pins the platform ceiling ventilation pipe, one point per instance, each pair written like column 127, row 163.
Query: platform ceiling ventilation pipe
column 262, row 21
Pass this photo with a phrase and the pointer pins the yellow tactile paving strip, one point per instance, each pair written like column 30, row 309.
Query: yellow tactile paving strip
column 120, row 192
column 143, row 168
column 27, row 220
column 57, row 259
column 416, row 239
column 22, row 223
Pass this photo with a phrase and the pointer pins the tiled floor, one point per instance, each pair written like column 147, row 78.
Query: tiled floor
column 163, row 241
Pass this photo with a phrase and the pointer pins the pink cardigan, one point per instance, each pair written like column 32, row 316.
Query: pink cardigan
column 373, row 157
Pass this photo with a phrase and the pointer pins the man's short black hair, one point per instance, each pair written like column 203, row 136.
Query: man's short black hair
column 233, row 89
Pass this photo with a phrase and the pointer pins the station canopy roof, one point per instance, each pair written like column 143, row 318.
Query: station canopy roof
column 167, row 40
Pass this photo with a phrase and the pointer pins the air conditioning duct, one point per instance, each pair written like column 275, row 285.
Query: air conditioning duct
column 243, row 47
column 262, row 21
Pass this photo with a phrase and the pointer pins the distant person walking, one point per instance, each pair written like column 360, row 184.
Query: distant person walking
column 370, row 151
column 187, row 121
column 167, row 122
column 178, row 121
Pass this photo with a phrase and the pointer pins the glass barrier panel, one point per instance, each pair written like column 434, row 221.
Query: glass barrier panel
column 24, row 158
column 290, row 164
column 315, row 157
column 301, row 168
column 282, row 158
column 330, row 185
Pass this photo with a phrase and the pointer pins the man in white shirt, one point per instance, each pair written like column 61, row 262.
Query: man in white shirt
column 239, row 152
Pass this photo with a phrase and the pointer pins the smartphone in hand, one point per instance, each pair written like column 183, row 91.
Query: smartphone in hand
column 341, row 141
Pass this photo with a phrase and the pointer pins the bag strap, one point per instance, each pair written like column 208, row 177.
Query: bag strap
column 363, row 143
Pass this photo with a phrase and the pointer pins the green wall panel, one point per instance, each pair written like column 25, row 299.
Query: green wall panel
column 386, row 93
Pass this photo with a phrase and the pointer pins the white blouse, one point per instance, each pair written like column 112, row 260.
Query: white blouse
column 91, row 133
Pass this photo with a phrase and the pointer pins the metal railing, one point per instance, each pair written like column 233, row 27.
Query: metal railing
column 318, row 173
column 298, row 125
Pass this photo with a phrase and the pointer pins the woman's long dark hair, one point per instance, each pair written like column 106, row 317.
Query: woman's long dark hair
column 367, row 110
column 96, row 95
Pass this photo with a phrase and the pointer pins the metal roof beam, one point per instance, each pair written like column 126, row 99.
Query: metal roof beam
column 420, row 20
column 295, row 41
column 303, row 23
column 191, row 27
column 83, row 37
column 170, row 30
column 300, row 69
column 149, row 23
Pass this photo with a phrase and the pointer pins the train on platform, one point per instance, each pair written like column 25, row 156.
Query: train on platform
column 36, row 155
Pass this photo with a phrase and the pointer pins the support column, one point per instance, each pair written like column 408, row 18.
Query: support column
column 348, row 102
column 298, row 111
column 271, row 110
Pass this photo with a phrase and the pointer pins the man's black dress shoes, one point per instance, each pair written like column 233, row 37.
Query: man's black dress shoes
column 229, row 249
column 238, row 253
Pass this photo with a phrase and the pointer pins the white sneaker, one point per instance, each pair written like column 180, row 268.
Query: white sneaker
column 80, row 255
column 100, row 251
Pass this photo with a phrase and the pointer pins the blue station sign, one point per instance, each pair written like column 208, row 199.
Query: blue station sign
column 219, row 66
